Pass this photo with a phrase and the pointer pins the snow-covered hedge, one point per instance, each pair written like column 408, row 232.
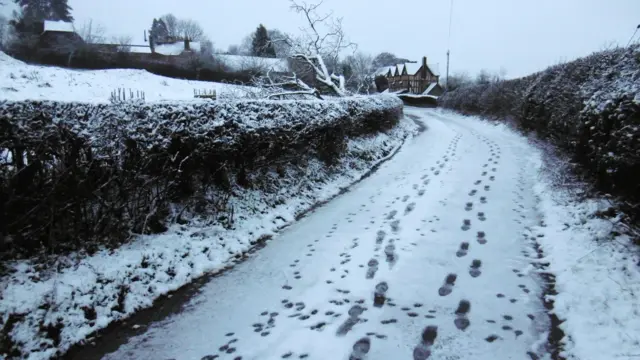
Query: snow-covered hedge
column 79, row 176
column 590, row 107
column 419, row 100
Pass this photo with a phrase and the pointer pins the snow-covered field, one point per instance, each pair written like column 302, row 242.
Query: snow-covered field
column 21, row 81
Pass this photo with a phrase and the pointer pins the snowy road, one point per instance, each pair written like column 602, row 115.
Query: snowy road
column 426, row 258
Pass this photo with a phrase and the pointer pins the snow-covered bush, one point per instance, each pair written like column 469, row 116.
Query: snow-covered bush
column 589, row 107
column 79, row 176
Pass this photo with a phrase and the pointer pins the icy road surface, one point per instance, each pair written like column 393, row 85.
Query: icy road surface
column 427, row 258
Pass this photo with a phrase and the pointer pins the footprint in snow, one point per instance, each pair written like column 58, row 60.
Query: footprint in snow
column 447, row 287
column 423, row 350
column 379, row 295
column 481, row 237
column 360, row 349
column 466, row 224
column 474, row 269
column 462, row 321
column 462, row 251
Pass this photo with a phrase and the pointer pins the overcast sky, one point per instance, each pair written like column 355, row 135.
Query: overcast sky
column 522, row 36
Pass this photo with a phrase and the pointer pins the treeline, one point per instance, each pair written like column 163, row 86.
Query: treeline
column 589, row 107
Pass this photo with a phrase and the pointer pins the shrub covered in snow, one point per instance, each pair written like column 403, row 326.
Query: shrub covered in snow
column 78, row 176
column 419, row 100
column 589, row 107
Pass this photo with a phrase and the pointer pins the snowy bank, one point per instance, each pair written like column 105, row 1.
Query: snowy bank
column 312, row 151
column 596, row 269
column 21, row 81
column 589, row 107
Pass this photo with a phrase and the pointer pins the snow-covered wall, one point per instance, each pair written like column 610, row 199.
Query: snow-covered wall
column 589, row 107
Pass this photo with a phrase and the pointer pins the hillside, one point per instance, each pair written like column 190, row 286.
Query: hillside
column 21, row 81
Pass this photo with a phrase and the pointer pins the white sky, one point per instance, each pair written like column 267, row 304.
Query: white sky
column 523, row 36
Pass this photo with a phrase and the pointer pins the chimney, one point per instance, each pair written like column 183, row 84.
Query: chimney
column 423, row 73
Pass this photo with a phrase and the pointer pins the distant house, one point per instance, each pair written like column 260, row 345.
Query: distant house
column 413, row 78
column 59, row 37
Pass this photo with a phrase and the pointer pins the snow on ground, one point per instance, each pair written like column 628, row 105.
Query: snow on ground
column 401, row 233
column 374, row 264
column 21, row 81
column 597, row 274
column 85, row 296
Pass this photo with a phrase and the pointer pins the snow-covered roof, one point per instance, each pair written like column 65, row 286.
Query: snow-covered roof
column 242, row 62
column 60, row 26
column 176, row 48
column 383, row 70
column 170, row 49
column 429, row 88
column 140, row 49
column 195, row 46
column 414, row 67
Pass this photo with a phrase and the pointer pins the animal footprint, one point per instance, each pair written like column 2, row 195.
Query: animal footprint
column 468, row 206
column 481, row 216
column 474, row 270
column 447, row 287
column 483, row 199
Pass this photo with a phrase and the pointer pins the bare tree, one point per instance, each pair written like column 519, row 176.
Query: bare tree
column 90, row 33
column 123, row 42
column 233, row 50
column 190, row 30
column 483, row 77
column 322, row 38
column 245, row 45
column 459, row 80
column 4, row 31
column 172, row 24
column 362, row 72
column 206, row 45
column 500, row 75
column 283, row 49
